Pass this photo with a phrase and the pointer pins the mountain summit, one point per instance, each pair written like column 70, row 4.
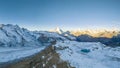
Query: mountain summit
column 57, row 30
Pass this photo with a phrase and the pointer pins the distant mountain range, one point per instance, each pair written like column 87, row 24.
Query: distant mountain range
column 108, row 37
column 94, row 33
column 97, row 33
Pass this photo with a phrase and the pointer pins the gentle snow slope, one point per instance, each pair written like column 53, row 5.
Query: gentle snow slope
column 88, row 55
column 8, row 54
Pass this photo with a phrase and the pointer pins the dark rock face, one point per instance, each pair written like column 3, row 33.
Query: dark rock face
column 114, row 41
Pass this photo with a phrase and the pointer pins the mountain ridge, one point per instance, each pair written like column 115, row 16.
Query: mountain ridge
column 92, row 32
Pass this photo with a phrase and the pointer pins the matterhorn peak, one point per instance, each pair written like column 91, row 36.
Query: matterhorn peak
column 58, row 30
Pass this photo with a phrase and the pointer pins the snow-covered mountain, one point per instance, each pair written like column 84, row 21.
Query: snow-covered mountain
column 14, row 36
column 56, row 49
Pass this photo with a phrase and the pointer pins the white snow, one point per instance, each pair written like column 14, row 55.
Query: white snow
column 14, row 36
column 54, row 66
column 43, row 65
column 49, row 58
column 9, row 54
column 98, row 57
column 43, row 57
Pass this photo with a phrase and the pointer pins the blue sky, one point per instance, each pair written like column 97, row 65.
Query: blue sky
column 66, row 14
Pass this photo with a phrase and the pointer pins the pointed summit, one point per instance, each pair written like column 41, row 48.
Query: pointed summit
column 58, row 30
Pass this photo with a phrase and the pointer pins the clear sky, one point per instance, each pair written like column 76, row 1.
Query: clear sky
column 66, row 14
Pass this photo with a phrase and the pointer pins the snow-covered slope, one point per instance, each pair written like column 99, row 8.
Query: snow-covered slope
column 88, row 55
column 9, row 54
column 13, row 35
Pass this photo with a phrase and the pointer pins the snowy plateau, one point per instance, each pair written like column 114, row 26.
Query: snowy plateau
column 17, row 43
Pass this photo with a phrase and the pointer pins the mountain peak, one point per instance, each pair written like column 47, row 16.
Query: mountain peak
column 57, row 30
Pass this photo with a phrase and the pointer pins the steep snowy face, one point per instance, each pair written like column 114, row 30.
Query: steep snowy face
column 88, row 55
column 13, row 35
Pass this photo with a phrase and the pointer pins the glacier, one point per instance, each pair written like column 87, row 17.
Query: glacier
column 10, row 54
